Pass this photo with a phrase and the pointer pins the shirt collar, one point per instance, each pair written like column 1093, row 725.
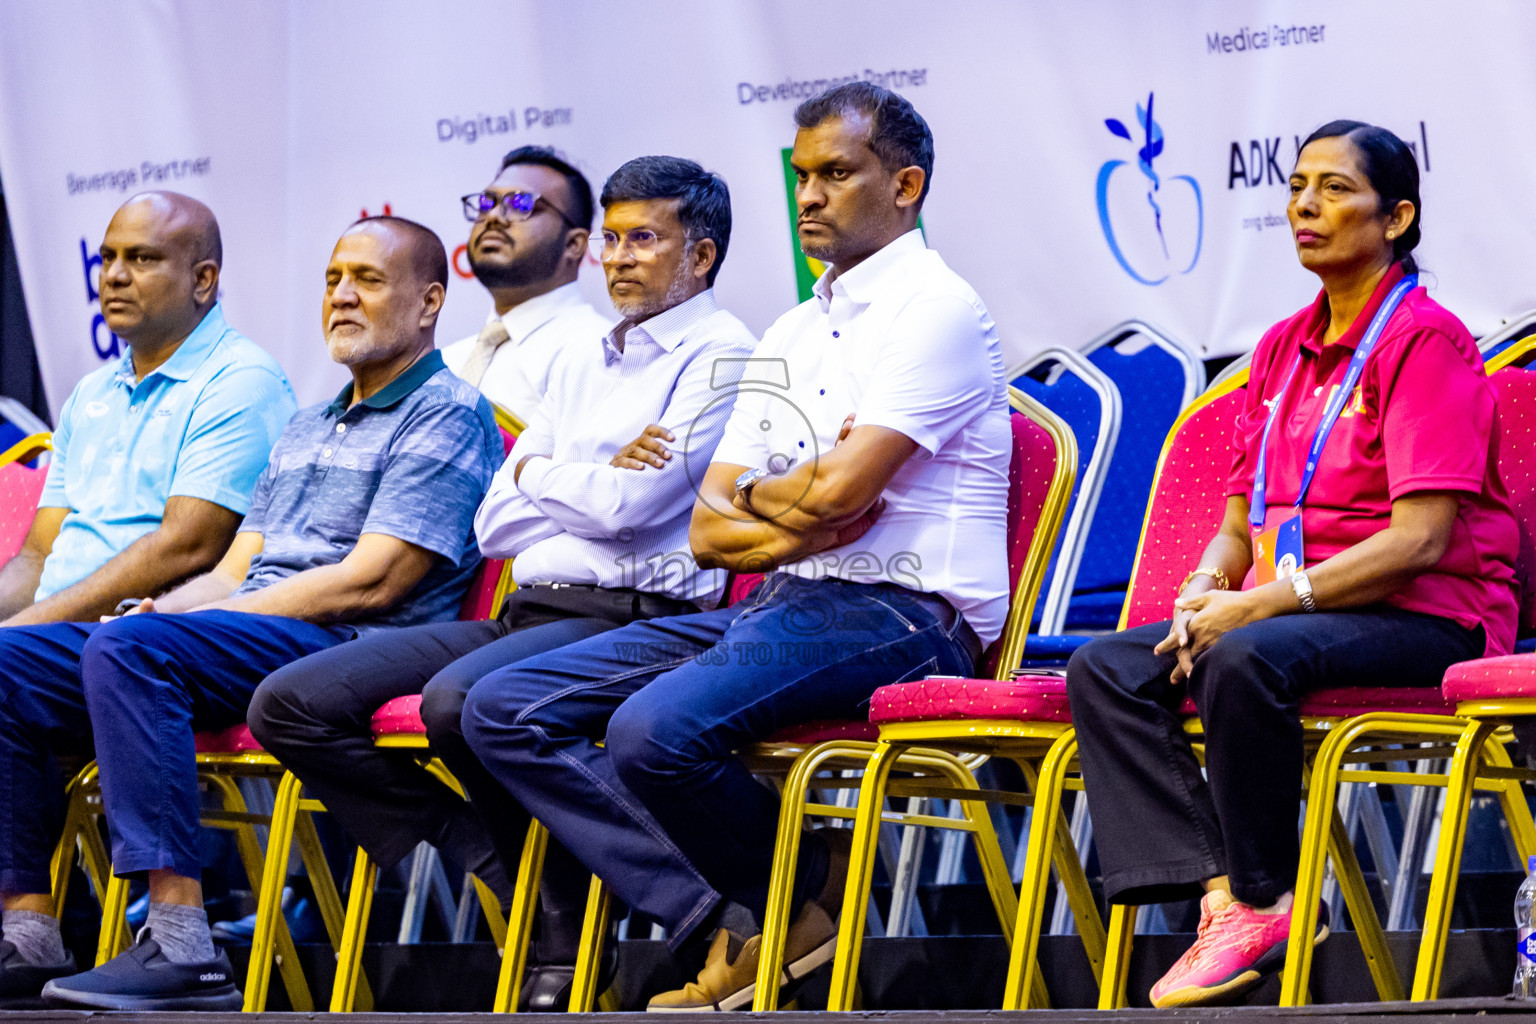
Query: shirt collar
column 526, row 317
column 412, row 378
column 862, row 283
column 189, row 355
column 667, row 328
column 1317, row 322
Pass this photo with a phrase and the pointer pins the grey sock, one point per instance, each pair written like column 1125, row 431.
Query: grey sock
column 35, row 936
column 738, row 920
column 182, row 933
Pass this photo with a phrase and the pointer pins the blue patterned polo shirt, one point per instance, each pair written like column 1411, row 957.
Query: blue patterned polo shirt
column 412, row 462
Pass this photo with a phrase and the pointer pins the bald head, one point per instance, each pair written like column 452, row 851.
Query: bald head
column 160, row 262
column 188, row 222
column 428, row 256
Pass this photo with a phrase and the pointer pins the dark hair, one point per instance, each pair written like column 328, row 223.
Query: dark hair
column 705, row 202
column 898, row 135
column 1392, row 170
column 427, row 253
column 575, row 182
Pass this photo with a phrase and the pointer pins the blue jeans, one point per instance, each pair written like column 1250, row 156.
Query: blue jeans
column 663, row 811
column 132, row 691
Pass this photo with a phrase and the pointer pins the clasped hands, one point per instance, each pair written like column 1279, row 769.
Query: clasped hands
column 1199, row 620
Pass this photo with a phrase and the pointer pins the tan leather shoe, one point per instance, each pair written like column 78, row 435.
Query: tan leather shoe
column 729, row 978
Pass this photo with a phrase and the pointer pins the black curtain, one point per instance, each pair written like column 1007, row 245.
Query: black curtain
column 19, row 375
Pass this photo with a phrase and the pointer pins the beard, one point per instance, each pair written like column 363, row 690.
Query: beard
column 641, row 307
column 525, row 268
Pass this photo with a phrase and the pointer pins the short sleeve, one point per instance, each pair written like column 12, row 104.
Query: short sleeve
column 1437, row 418
column 238, row 418
column 933, row 375
column 743, row 443
column 54, row 493
column 256, row 515
column 438, row 468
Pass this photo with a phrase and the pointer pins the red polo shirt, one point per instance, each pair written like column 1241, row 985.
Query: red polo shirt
column 1423, row 418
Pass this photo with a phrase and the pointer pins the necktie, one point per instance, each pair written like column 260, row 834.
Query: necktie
column 492, row 336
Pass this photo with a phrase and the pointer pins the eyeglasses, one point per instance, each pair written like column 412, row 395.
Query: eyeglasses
column 639, row 242
column 515, row 205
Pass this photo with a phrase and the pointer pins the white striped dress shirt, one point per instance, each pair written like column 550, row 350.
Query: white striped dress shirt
column 573, row 518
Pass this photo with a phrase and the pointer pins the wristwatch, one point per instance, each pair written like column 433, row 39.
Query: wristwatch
column 746, row 480
column 1301, row 585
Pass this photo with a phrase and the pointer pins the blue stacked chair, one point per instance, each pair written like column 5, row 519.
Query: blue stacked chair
column 1157, row 377
column 1075, row 390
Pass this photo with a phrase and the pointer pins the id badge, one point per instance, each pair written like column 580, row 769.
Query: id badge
column 1277, row 552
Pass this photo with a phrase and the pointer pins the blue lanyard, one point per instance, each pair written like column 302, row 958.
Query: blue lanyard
column 1331, row 411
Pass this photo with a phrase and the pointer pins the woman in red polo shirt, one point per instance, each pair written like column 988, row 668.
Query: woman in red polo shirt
column 1403, row 546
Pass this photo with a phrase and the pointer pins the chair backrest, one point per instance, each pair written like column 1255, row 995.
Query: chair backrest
column 20, row 488
column 493, row 580
column 1517, row 353
column 1088, row 401
column 1187, row 501
column 1157, row 377
column 1512, row 331
column 1040, row 477
column 1516, row 392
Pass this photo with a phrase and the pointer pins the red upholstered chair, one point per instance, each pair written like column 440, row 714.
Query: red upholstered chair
column 1041, row 474
column 1481, row 699
column 1027, row 719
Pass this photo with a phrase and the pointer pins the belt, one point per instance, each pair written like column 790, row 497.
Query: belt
column 567, row 586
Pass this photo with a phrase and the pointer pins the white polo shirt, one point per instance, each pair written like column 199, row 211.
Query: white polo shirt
column 573, row 518
column 902, row 342
column 538, row 329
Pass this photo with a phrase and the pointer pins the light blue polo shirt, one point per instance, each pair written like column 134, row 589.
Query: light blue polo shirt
column 200, row 426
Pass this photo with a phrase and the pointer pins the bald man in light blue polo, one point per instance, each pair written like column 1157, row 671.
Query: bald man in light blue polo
column 155, row 456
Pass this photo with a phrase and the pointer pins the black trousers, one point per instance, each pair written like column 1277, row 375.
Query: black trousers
column 1160, row 826
column 314, row 715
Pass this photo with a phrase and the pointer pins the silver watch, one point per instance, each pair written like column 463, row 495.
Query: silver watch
column 746, row 480
column 1301, row 586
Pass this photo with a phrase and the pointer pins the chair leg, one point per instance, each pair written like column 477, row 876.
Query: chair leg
column 114, row 906
column 1117, row 957
column 349, row 959
column 781, row 879
column 861, row 865
column 525, row 900
column 1517, row 812
column 589, row 956
column 1045, row 822
column 1322, row 794
column 1373, row 941
column 1453, row 834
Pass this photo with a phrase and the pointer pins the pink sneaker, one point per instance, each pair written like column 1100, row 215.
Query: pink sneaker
column 1235, row 949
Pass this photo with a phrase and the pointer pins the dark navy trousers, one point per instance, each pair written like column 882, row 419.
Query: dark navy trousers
column 130, row 692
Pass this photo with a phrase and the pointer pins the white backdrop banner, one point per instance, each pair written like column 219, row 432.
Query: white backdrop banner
column 1095, row 159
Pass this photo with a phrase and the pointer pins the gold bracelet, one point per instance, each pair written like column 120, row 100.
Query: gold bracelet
column 1222, row 583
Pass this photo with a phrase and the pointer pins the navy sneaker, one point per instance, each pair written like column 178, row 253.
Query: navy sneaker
column 21, row 983
column 143, row 979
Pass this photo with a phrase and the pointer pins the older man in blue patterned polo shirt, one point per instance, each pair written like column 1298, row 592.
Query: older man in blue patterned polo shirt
column 361, row 521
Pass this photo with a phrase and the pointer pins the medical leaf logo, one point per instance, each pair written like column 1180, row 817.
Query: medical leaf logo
column 1143, row 246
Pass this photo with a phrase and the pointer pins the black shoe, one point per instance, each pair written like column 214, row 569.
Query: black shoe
column 143, row 979
column 21, row 983
column 547, row 985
